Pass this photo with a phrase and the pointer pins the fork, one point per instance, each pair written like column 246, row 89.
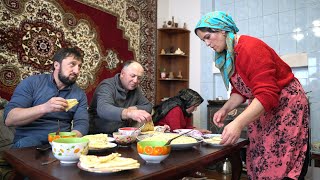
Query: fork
column 48, row 162
column 177, row 137
column 138, row 128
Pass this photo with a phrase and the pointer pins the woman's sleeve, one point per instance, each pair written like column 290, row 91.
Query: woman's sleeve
column 174, row 118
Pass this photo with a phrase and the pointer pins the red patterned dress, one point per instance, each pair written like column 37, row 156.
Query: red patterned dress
column 278, row 139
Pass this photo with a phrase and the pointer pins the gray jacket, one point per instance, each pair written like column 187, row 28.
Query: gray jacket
column 108, row 102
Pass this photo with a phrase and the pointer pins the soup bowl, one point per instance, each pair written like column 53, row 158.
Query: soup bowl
column 129, row 131
column 124, row 139
column 69, row 150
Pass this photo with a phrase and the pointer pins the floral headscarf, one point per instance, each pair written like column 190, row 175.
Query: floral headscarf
column 185, row 99
column 225, row 60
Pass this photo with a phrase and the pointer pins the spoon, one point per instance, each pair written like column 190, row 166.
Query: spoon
column 177, row 137
column 45, row 148
column 138, row 128
column 58, row 131
column 48, row 162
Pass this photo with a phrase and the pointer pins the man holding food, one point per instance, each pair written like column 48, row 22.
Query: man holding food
column 119, row 102
column 39, row 101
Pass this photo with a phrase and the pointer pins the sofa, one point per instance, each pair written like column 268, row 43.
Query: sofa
column 6, row 138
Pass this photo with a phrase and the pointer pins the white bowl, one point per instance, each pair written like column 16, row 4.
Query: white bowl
column 153, row 159
column 69, row 150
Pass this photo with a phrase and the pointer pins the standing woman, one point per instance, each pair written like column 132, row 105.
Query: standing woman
column 277, row 116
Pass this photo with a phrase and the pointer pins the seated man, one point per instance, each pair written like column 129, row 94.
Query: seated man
column 39, row 101
column 118, row 100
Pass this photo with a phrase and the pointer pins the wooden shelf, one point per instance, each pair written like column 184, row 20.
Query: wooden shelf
column 172, row 54
column 172, row 39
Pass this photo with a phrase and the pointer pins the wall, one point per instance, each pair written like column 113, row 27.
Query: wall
column 288, row 26
column 185, row 11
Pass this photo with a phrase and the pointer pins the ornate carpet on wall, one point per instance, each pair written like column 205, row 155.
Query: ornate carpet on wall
column 108, row 32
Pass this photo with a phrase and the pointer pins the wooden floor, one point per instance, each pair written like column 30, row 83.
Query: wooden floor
column 213, row 174
column 313, row 174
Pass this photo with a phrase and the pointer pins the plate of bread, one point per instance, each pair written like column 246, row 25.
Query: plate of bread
column 212, row 139
column 98, row 142
column 107, row 164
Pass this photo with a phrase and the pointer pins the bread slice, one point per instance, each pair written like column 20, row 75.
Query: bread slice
column 71, row 103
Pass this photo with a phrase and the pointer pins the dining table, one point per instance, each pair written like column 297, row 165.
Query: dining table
column 27, row 162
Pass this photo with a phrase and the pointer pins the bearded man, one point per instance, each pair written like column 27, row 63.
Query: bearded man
column 40, row 101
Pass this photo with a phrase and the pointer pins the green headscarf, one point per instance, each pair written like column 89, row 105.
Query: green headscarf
column 225, row 60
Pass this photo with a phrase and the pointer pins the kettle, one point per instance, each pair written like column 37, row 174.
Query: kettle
column 225, row 167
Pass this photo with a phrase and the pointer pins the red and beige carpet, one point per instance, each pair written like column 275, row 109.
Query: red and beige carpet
column 108, row 33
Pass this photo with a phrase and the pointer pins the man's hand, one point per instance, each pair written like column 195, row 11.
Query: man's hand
column 138, row 115
column 55, row 104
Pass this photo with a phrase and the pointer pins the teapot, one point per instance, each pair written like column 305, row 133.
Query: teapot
column 225, row 167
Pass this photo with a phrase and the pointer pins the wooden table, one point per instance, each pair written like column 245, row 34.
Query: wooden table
column 180, row 163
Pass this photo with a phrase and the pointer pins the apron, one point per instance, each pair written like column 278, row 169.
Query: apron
column 279, row 138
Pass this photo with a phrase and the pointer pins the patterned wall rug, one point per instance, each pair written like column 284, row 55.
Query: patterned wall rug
column 108, row 32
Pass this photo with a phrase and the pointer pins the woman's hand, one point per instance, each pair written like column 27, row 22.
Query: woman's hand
column 231, row 133
column 219, row 117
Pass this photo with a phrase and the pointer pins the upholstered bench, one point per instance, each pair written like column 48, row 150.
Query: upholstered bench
column 6, row 138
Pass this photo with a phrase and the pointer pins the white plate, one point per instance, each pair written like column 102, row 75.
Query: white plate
column 143, row 136
column 195, row 133
column 183, row 146
column 205, row 141
column 111, row 139
column 209, row 136
column 111, row 145
column 98, row 170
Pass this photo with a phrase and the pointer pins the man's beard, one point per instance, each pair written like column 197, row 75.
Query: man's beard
column 65, row 80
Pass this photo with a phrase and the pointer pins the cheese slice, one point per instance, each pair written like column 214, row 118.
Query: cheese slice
column 71, row 103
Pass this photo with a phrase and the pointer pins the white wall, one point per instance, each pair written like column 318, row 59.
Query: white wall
column 185, row 11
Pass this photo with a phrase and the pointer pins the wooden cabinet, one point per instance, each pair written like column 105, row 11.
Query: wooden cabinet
column 174, row 62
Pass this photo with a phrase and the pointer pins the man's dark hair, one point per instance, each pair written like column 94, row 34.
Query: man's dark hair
column 66, row 52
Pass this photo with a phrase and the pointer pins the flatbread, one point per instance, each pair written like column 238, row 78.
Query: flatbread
column 97, row 141
column 109, row 163
column 71, row 103
column 149, row 126
column 158, row 136
column 214, row 140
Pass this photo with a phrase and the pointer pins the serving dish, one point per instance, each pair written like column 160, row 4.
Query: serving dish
column 183, row 142
column 184, row 146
